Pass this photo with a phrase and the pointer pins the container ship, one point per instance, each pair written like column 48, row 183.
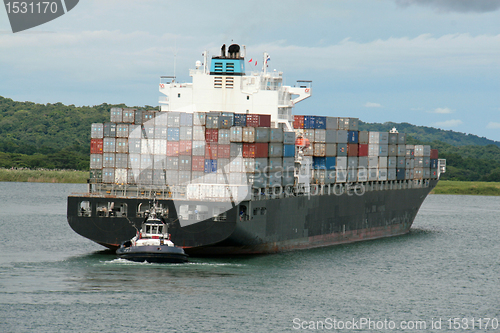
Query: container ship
column 234, row 171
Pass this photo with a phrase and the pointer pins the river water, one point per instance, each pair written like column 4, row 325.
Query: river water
column 444, row 276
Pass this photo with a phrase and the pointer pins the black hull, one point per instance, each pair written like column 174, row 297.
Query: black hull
column 153, row 254
column 284, row 224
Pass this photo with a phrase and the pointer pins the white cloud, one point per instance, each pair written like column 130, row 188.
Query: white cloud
column 448, row 123
column 442, row 110
column 372, row 105
column 493, row 125
column 451, row 54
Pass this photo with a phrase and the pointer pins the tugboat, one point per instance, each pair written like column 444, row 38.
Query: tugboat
column 152, row 243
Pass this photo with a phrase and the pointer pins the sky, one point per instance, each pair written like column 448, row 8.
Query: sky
column 425, row 62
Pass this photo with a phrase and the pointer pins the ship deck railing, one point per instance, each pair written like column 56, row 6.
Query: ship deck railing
column 238, row 193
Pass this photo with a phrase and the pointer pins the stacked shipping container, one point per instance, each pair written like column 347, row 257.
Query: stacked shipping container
column 341, row 153
column 167, row 148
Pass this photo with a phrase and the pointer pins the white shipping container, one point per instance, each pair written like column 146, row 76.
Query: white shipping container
column 134, row 131
column 134, row 162
column 248, row 134
column 382, row 174
column 161, row 119
column 372, row 174
column 309, row 134
column 96, row 161
column 236, row 134
column 419, row 150
column 108, row 175
column 108, row 160
column 373, row 161
column 341, row 162
column 121, row 145
column 186, row 133
column 427, row 151
column 97, row 131
column 373, row 149
column 362, row 174
column 319, row 149
column 373, row 137
column 224, row 136
column 159, row 162
column 109, row 145
column 223, row 165
column 320, row 135
column 147, row 146
column 198, row 133
column 121, row 176
column 341, row 175
column 382, row 162
column 249, row 165
column 236, row 165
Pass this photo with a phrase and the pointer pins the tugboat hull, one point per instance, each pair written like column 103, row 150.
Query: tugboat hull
column 153, row 254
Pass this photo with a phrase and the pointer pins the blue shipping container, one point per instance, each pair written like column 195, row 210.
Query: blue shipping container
column 434, row 164
column 330, row 163
column 319, row 122
column 309, row 122
column 352, row 136
column 210, row 166
column 288, row 150
column 240, row 119
column 400, row 173
column 319, row 163
column 173, row 134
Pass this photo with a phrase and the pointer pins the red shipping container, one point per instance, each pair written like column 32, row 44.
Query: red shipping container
column 172, row 148
column 211, row 151
column 252, row 120
column 211, row 134
column 185, row 147
column 434, row 154
column 264, row 120
column 261, row 150
column 352, row 149
column 224, row 151
column 363, row 149
column 96, row 146
column 298, row 121
column 249, row 150
column 198, row 163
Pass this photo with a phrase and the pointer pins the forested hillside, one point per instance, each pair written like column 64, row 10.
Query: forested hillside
column 57, row 136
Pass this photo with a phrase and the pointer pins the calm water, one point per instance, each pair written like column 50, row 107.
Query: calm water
column 52, row 280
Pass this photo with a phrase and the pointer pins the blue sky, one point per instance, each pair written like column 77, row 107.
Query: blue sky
column 426, row 62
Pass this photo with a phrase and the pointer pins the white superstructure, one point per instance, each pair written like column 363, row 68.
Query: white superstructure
column 224, row 86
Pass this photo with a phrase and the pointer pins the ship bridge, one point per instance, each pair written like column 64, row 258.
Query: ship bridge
column 223, row 85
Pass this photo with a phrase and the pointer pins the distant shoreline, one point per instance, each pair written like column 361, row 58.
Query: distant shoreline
column 44, row 176
column 467, row 188
column 80, row 177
